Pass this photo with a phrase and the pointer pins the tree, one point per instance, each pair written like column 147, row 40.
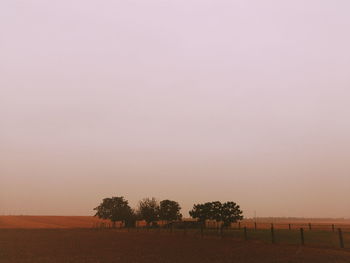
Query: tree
column 215, row 211
column 227, row 213
column 169, row 210
column 230, row 213
column 201, row 212
column 148, row 210
column 115, row 209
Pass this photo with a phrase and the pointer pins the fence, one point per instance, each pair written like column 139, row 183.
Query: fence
column 307, row 226
column 306, row 234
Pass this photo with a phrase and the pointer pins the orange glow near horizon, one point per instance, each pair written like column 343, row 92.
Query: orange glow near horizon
column 193, row 101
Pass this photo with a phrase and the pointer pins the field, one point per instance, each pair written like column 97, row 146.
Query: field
column 46, row 222
column 98, row 246
column 72, row 239
column 31, row 222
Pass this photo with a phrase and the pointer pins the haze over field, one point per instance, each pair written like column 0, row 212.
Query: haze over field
column 188, row 100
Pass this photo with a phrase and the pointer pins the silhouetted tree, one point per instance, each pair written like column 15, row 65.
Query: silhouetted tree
column 201, row 212
column 215, row 211
column 115, row 209
column 169, row 210
column 227, row 213
column 148, row 210
column 230, row 213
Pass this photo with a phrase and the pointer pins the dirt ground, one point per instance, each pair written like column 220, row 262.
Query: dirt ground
column 48, row 221
column 102, row 246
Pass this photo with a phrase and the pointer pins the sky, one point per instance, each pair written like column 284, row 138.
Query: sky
column 189, row 100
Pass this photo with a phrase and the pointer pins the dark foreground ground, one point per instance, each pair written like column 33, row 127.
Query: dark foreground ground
column 95, row 246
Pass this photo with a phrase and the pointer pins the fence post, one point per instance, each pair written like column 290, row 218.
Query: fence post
column 333, row 228
column 289, row 226
column 302, row 236
column 310, row 226
column 245, row 233
column 341, row 240
column 272, row 234
column 255, row 227
column 239, row 225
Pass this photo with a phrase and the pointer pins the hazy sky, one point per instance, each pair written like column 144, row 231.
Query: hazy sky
column 189, row 100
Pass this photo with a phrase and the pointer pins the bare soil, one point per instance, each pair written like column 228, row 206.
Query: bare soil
column 30, row 222
column 104, row 246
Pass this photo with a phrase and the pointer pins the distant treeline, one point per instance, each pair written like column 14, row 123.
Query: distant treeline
column 151, row 211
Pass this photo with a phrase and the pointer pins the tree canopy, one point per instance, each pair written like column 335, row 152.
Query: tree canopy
column 227, row 213
column 118, row 209
column 115, row 209
column 169, row 210
column 148, row 210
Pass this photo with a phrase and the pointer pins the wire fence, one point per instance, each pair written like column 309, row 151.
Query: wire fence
column 289, row 226
column 303, row 234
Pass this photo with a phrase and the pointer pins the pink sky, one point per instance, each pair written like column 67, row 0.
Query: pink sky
column 188, row 100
